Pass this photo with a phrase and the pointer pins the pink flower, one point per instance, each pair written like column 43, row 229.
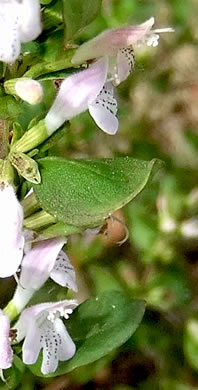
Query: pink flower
column 6, row 354
column 118, row 45
column 85, row 90
column 45, row 259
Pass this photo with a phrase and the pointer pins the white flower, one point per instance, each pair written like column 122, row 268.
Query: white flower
column 85, row 90
column 42, row 328
column 19, row 22
column 6, row 354
column 45, row 259
column 11, row 224
column 118, row 45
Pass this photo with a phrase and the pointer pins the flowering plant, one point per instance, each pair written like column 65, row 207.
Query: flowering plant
column 67, row 196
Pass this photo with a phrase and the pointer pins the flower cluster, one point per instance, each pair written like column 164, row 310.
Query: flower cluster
column 42, row 326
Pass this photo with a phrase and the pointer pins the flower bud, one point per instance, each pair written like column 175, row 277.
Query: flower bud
column 27, row 89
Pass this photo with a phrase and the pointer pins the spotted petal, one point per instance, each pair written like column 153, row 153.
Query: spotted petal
column 125, row 64
column 57, row 345
column 63, row 272
column 103, row 110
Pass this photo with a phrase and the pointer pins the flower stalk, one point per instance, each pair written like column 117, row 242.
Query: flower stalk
column 30, row 204
column 32, row 138
column 38, row 221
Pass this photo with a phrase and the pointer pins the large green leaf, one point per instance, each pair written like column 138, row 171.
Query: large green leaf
column 86, row 192
column 98, row 326
column 77, row 14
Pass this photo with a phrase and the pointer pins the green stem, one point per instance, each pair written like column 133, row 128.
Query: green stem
column 47, row 67
column 60, row 229
column 32, row 138
column 38, row 220
column 4, row 133
column 30, row 205
column 11, row 310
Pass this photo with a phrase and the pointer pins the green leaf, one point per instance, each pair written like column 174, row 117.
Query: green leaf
column 77, row 14
column 98, row 326
column 44, row 2
column 10, row 108
column 86, row 192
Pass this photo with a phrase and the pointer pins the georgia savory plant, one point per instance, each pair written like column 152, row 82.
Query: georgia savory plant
column 45, row 198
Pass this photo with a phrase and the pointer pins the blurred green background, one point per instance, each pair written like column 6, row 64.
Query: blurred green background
column 158, row 117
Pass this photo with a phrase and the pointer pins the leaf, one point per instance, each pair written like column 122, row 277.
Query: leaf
column 98, row 326
column 10, row 108
column 86, row 192
column 77, row 14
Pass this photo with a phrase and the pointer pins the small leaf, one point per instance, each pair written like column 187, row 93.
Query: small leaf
column 86, row 192
column 98, row 326
column 77, row 14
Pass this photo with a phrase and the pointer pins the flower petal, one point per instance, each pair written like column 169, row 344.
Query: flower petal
column 9, row 28
column 63, row 272
column 67, row 347
column 12, row 239
column 125, row 64
column 103, row 110
column 76, row 93
column 6, row 353
column 57, row 345
column 32, row 344
column 30, row 20
column 110, row 41
column 39, row 262
column 50, row 342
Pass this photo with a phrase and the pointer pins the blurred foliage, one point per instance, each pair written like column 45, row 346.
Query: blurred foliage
column 159, row 262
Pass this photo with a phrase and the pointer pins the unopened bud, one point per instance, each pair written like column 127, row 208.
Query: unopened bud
column 27, row 89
